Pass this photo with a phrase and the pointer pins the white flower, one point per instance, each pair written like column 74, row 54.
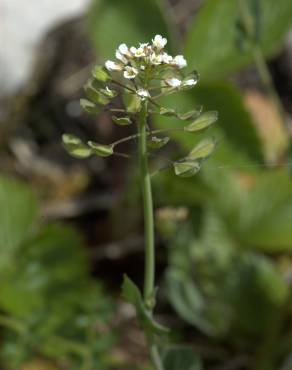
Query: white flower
column 155, row 59
column 159, row 42
column 166, row 58
column 142, row 67
column 130, row 72
column 133, row 50
column 143, row 93
column 140, row 52
column 123, row 49
column 112, row 66
column 190, row 82
column 121, row 57
column 179, row 61
column 173, row 82
column 144, row 45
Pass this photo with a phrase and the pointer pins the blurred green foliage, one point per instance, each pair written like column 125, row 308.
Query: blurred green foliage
column 50, row 306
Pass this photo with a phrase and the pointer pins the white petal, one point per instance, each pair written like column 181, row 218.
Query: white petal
column 121, row 57
column 112, row 66
column 190, row 82
column 180, row 61
column 123, row 49
column 173, row 82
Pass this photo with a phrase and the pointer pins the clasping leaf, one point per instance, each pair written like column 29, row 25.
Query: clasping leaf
column 133, row 295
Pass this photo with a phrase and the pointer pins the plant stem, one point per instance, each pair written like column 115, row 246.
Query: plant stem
column 149, row 269
column 148, row 208
column 268, row 82
column 260, row 62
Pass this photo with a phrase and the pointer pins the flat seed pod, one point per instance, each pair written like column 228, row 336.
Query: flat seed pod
column 100, row 74
column 89, row 106
column 186, row 168
column 100, row 149
column 75, row 147
column 157, row 142
column 95, row 96
column 122, row 121
column 108, row 93
column 202, row 150
column 169, row 112
column 203, row 121
column 191, row 114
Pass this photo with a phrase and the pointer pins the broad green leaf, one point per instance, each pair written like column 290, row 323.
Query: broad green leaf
column 259, row 216
column 75, row 146
column 101, row 74
column 112, row 22
column 181, row 358
column 101, row 149
column 205, row 120
column 186, row 168
column 157, row 142
column 17, row 217
column 133, row 295
column 122, row 121
column 211, row 45
column 188, row 300
column 202, row 150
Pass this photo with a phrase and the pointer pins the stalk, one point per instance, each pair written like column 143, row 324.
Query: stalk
column 149, row 267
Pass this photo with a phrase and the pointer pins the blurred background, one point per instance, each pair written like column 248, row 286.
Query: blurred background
column 70, row 228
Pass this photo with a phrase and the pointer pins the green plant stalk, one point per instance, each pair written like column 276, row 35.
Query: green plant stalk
column 149, row 274
column 149, row 268
column 260, row 62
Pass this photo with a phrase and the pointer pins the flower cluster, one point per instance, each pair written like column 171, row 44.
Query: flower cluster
column 150, row 60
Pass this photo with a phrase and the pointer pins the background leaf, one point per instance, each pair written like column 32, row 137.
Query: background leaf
column 211, row 42
column 112, row 22
column 15, row 226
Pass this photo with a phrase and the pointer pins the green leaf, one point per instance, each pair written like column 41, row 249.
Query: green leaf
column 112, row 22
column 133, row 295
column 202, row 150
column 157, row 142
column 17, row 218
column 203, row 121
column 181, row 358
column 101, row 74
column 211, row 41
column 186, row 168
column 100, row 149
column 89, row 107
column 75, row 146
column 122, row 121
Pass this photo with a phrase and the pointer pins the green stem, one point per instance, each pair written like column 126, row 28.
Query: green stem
column 135, row 136
column 260, row 61
column 267, row 81
column 148, row 208
column 149, row 269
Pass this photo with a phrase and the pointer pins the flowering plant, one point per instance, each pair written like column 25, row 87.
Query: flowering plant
column 144, row 74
